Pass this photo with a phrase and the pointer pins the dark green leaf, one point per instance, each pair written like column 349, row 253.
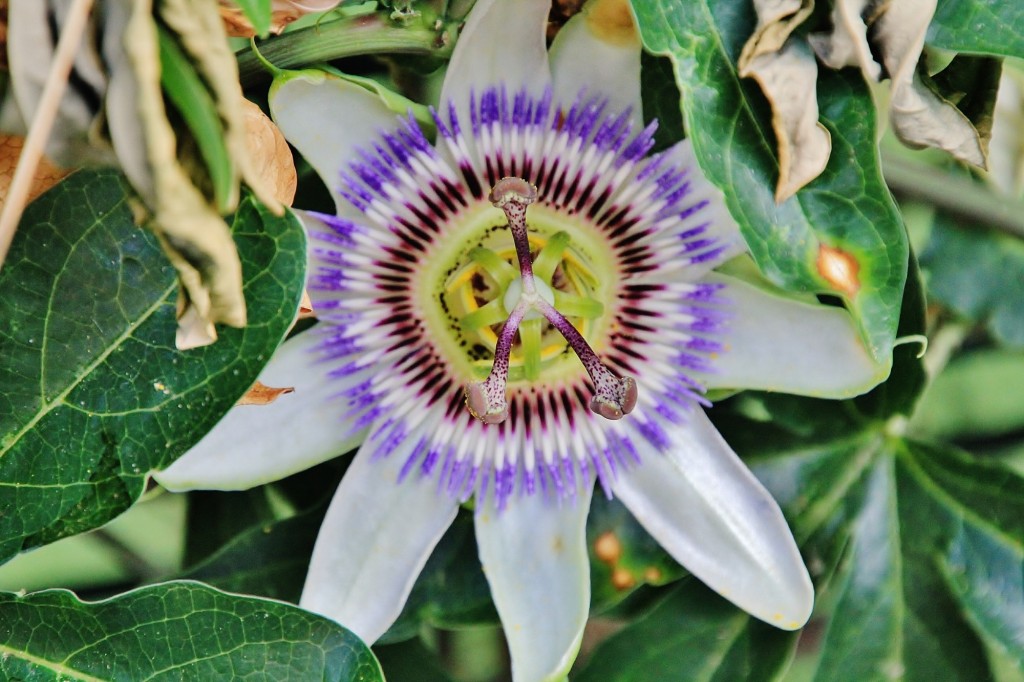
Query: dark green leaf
column 692, row 634
column 451, row 591
column 906, row 382
column 258, row 12
column 979, row 273
column 937, row 554
column 215, row 517
column 410, row 661
column 977, row 395
column 256, row 552
column 622, row 554
column 847, row 208
column 661, row 100
column 269, row 559
column 95, row 395
column 979, row 26
column 173, row 631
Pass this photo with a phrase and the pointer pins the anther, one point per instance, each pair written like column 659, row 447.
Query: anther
column 486, row 399
column 614, row 396
column 514, row 190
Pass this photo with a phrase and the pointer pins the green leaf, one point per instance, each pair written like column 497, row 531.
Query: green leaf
column 268, row 559
column 215, row 517
column 256, row 553
column 622, row 554
column 979, row 273
column 173, row 631
column 899, row 394
column 258, row 12
column 451, row 591
column 410, row 661
column 848, row 208
column 977, row 513
column 916, row 552
column 977, row 395
column 693, row 634
column 660, row 100
column 978, row 26
column 195, row 104
column 95, row 393
column 935, row 560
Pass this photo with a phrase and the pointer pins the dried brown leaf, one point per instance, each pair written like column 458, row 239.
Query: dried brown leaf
column 46, row 176
column 270, row 154
column 198, row 25
column 788, row 79
column 283, row 12
column 776, row 20
column 194, row 331
column 192, row 233
column 847, row 44
column 75, row 138
column 921, row 117
column 306, row 307
column 1006, row 152
column 261, row 394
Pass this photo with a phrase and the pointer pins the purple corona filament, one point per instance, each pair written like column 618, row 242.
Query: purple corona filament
column 662, row 320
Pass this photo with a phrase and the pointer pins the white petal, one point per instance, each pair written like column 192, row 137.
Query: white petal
column 777, row 344
column 708, row 511
column 373, row 543
column 598, row 50
column 502, row 43
column 327, row 118
column 256, row 444
column 534, row 553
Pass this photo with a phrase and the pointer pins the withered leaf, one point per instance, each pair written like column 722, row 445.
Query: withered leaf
column 971, row 83
column 192, row 233
column 118, row 95
column 261, row 394
column 847, row 44
column 306, row 307
column 75, row 137
column 920, row 117
column 788, row 78
column 1006, row 149
column 46, row 176
column 776, row 20
column 282, row 13
column 270, row 154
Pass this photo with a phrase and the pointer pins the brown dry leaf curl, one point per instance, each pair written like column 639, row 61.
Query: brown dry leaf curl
column 920, row 116
column 776, row 20
column 282, row 13
column 788, row 75
column 46, row 176
column 271, row 157
column 788, row 79
column 261, row 394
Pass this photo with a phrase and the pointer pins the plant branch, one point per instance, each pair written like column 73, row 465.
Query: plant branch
column 960, row 196
column 346, row 37
column 42, row 122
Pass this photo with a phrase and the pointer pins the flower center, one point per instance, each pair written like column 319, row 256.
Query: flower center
column 528, row 299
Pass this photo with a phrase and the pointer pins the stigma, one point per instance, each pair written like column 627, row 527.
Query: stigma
column 486, row 400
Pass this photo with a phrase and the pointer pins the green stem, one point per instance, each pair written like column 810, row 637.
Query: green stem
column 346, row 37
column 960, row 196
